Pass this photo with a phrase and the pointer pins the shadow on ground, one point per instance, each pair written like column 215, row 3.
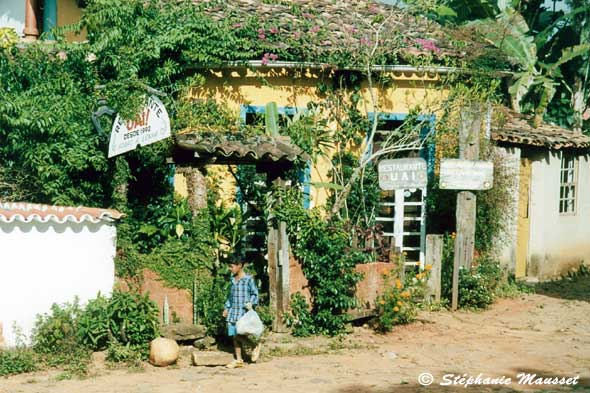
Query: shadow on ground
column 577, row 288
column 583, row 385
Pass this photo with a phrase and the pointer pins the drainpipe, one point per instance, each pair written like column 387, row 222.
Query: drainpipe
column 49, row 17
column 31, row 11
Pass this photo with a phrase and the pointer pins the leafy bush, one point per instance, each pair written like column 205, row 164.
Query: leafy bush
column 300, row 319
column 327, row 258
column 55, row 338
column 398, row 304
column 133, row 319
column 211, row 293
column 93, row 324
column 56, row 332
column 17, row 361
column 123, row 353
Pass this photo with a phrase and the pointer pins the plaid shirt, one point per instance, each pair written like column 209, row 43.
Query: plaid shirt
column 242, row 291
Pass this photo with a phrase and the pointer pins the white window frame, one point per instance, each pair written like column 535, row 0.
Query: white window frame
column 568, row 184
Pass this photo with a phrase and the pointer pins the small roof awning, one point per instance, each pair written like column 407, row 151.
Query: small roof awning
column 28, row 212
column 518, row 129
column 233, row 148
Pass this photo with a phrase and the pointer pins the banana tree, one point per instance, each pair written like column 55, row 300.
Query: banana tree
column 510, row 33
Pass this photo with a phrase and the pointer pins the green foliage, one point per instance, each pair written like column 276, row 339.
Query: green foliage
column 399, row 302
column 363, row 200
column 93, row 324
column 56, row 331
column 327, row 259
column 17, row 361
column 124, row 353
column 210, row 296
column 300, row 319
column 55, row 338
column 133, row 319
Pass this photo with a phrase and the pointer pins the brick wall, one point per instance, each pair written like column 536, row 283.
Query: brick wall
column 367, row 289
column 179, row 300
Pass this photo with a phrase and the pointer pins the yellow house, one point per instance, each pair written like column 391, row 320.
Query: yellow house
column 367, row 32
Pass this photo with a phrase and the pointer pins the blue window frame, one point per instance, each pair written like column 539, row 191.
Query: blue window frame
column 427, row 152
column 305, row 177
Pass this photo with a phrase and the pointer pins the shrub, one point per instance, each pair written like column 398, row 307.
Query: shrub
column 211, row 293
column 56, row 332
column 55, row 338
column 117, row 352
column 133, row 319
column 17, row 361
column 300, row 319
column 93, row 324
column 399, row 302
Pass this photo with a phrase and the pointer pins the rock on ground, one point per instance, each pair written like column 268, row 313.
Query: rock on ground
column 183, row 331
column 163, row 352
column 211, row 358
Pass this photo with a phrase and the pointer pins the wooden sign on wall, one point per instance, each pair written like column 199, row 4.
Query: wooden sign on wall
column 456, row 174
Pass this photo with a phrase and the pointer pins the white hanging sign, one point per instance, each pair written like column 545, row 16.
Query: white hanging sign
column 402, row 173
column 151, row 125
column 458, row 174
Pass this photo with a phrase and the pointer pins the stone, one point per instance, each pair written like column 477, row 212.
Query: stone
column 389, row 355
column 183, row 331
column 204, row 343
column 211, row 358
column 163, row 352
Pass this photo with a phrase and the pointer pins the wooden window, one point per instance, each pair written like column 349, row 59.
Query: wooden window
column 568, row 184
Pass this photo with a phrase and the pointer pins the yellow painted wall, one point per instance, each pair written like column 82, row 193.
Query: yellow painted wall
column 296, row 88
column 68, row 13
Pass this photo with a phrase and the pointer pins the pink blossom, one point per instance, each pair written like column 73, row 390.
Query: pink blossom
column 237, row 25
column 296, row 35
column 315, row 29
column 427, row 44
column 268, row 57
column 261, row 34
column 273, row 30
column 307, row 15
column 365, row 41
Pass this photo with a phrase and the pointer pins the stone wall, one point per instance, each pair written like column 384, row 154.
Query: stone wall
column 179, row 300
column 367, row 290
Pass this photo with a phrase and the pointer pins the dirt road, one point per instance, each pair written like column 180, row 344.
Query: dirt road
column 543, row 335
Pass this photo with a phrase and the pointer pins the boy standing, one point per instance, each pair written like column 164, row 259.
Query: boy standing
column 243, row 297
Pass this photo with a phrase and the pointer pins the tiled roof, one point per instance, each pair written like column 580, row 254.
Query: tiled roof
column 517, row 128
column 28, row 212
column 345, row 26
column 227, row 149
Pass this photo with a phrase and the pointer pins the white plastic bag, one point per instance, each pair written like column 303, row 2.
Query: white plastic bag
column 250, row 324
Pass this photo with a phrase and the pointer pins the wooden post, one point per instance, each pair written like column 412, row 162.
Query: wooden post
column 469, row 131
column 31, row 21
column 434, row 249
column 278, row 270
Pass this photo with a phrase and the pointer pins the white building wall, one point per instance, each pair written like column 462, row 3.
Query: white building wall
column 12, row 14
column 46, row 263
column 557, row 242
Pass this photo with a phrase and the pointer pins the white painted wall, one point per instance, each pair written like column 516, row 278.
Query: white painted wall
column 46, row 263
column 12, row 14
column 557, row 242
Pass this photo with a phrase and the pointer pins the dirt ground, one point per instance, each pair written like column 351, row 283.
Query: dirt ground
column 545, row 334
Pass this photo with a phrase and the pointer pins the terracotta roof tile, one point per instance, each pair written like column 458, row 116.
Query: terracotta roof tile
column 517, row 128
column 226, row 147
column 28, row 212
column 341, row 26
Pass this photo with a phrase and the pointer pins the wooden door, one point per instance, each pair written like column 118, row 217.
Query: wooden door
column 523, row 224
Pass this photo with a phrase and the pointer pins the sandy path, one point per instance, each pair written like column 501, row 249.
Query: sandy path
column 538, row 334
